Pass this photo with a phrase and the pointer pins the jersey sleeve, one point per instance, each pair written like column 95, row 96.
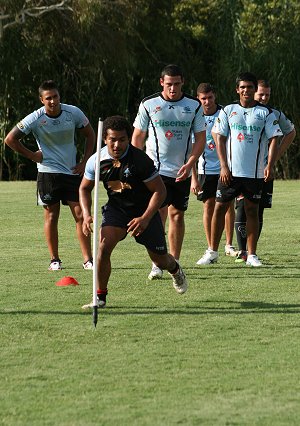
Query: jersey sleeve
column 27, row 124
column 80, row 118
column 199, row 122
column 89, row 172
column 142, row 119
column 272, row 128
column 285, row 124
column 221, row 125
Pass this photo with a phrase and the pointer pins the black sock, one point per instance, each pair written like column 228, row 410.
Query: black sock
column 173, row 271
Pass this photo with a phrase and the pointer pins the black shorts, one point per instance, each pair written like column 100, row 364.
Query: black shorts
column 177, row 193
column 266, row 196
column 153, row 238
column 251, row 189
column 209, row 184
column 55, row 187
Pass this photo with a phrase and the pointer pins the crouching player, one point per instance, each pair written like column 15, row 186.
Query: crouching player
column 135, row 193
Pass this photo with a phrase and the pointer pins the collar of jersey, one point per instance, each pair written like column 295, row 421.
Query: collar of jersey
column 168, row 100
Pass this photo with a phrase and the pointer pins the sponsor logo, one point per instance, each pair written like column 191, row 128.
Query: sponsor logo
column 257, row 196
column 127, row 172
column 240, row 137
column 169, row 135
column 167, row 123
column 275, row 122
column 187, row 109
column 47, row 197
column 249, row 128
column 245, row 113
column 218, row 193
column 171, row 106
column 232, row 114
column 258, row 117
column 55, row 122
column 21, row 125
column 211, row 146
column 218, row 120
column 157, row 109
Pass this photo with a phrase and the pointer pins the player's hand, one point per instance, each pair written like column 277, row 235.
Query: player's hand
column 78, row 169
column 86, row 226
column 137, row 226
column 268, row 174
column 183, row 173
column 225, row 175
column 37, row 156
column 195, row 186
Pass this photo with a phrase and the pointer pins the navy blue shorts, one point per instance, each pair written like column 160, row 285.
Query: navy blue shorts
column 55, row 187
column 177, row 193
column 153, row 238
column 209, row 184
column 250, row 188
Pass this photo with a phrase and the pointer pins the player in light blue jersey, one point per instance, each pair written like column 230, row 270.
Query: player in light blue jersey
column 204, row 184
column 166, row 120
column 243, row 129
column 59, row 174
column 262, row 95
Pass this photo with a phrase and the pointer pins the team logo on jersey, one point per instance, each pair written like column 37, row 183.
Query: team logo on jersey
column 231, row 115
column 55, row 122
column 157, row 109
column 127, row 172
column 275, row 122
column 218, row 120
column 211, row 146
column 187, row 109
column 169, row 135
column 240, row 137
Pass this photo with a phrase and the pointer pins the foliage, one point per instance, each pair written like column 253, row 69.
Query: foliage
column 107, row 55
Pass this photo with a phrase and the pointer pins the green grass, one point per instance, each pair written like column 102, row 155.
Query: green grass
column 226, row 353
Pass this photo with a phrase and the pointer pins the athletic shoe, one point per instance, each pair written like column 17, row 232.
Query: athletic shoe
column 208, row 258
column 55, row 265
column 253, row 260
column 88, row 265
column 155, row 273
column 230, row 251
column 179, row 281
column 241, row 257
column 101, row 304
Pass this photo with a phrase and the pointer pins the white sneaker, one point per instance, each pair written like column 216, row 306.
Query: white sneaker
column 209, row 257
column 230, row 251
column 101, row 304
column 55, row 265
column 253, row 260
column 156, row 273
column 88, row 265
column 179, row 281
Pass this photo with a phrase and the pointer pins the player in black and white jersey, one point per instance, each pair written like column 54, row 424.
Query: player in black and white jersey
column 204, row 183
column 167, row 120
column 262, row 95
column 243, row 129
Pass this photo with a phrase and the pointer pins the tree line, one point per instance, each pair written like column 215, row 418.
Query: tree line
column 106, row 55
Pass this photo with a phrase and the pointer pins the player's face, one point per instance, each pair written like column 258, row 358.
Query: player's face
column 208, row 102
column 172, row 87
column 246, row 91
column 51, row 100
column 263, row 95
column 117, row 142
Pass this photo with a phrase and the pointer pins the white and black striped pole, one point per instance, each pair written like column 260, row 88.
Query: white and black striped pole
column 95, row 221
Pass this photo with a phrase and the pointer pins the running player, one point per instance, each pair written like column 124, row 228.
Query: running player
column 262, row 95
column 205, row 184
column 59, row 174
column 168, row 119
column 241, row 146
column 135, row 192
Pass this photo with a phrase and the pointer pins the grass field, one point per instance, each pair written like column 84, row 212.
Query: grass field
column 225, row 353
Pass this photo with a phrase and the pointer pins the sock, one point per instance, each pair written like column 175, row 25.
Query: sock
column 101, row 294
column 173, row 271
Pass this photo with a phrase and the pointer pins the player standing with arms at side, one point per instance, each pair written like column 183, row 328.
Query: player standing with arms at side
column 167, row 119
column 262, row 95
column 241, row 143
column 59, row 175
column 204, row 185
column 135, row 192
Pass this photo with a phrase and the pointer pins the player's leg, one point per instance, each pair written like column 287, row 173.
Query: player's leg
column 229, row 228
column 84, row 241
column 51, row 216
column 218, row 223
column 176, row 230
column 240, row 229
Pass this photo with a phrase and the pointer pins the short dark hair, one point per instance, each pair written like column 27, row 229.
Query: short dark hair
column 246, row 76
column 264, row 83
column 171, row 70
column 116, row 122
column 47, row 85
column 205, row 88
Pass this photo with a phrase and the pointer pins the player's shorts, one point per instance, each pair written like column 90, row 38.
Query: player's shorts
column 153, row 238
column 177, row 193
column 209, row 184
column 55, row 187
column 266, row 196
column 251, row 188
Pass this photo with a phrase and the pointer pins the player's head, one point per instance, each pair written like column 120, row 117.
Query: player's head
column 117, row 133
column 171, row 80
column 49, row 96
column 263, row 92
column 206, row 94
column 246, row 76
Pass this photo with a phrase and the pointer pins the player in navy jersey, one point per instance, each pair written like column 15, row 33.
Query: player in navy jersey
column 262, row 95
column 243, row 129
column 204, row 184
column 135, row 192
column 166, row 120
column 59, row 174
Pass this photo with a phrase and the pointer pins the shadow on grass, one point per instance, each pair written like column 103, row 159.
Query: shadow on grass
column 238, row 308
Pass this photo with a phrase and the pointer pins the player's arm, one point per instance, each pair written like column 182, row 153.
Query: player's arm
column 272, row 155
column 13, row 140
column 197, row 150
column 195, row 186
column 85, row 200
column 89, row 135
column 285, row 143
column 137, row 225
column 138, row 138
column 225, row 175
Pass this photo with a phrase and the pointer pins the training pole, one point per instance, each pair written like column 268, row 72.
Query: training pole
column 95, row 222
